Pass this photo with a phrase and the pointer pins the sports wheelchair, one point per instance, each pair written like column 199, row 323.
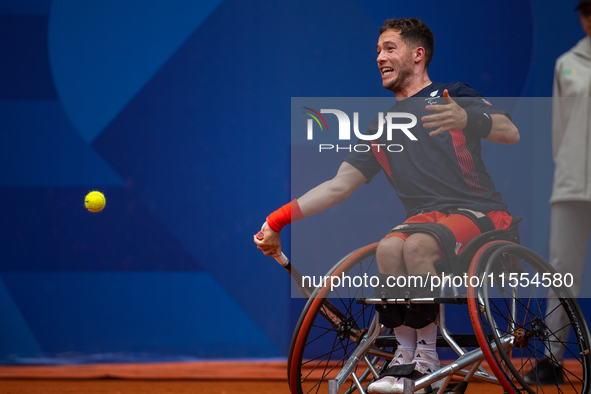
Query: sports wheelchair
column 339, row 346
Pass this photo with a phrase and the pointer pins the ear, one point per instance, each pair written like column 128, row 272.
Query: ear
column 419, row 54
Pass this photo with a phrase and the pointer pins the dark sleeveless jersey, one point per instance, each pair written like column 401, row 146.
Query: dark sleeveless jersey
column 432, row 173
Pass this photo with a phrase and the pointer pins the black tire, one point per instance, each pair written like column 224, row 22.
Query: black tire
column 503, row 308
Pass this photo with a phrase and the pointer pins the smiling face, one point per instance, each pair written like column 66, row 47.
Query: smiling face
column 395, row 61
column 585, row 16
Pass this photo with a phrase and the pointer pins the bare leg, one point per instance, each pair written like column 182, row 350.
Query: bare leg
column 389, row 256
column 421, row 254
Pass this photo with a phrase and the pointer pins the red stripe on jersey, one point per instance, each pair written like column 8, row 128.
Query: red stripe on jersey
column 382, row 159
column 467, row 163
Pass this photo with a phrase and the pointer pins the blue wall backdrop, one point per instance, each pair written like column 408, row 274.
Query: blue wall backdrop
column 179, row 112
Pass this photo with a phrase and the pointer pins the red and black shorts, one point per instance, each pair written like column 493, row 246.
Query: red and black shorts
column 463, row 227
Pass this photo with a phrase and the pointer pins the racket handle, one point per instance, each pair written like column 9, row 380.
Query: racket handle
column 293, row 272
column 283, row 260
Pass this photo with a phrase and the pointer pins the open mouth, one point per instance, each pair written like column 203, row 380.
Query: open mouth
column 387, row 71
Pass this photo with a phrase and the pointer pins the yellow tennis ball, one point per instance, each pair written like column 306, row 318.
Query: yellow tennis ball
column 95, row 201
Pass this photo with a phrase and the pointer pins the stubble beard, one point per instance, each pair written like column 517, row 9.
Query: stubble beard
column 405, row 73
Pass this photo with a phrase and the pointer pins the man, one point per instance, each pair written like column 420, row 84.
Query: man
column 570, row 221
column 439, row 172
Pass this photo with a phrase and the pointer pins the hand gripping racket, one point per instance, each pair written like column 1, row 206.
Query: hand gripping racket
column 293, row 272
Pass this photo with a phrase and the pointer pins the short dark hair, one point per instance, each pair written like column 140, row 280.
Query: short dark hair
column 415, row 33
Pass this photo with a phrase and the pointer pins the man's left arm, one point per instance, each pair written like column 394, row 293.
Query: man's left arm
column 451, row 116
column 503, row 130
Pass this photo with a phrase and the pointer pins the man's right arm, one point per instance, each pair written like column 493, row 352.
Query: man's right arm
column 323, row 196
column 332, row 192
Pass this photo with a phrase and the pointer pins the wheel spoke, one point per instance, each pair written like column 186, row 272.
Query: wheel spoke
column 532, row 337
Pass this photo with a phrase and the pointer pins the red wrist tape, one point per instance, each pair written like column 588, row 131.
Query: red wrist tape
column 285, row 215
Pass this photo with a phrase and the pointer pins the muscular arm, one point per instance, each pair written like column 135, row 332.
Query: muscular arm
column 503, row 130
column 332, row 192
column 451, row 116
column 322, row 197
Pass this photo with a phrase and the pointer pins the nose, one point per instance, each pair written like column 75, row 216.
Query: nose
column 381, row 57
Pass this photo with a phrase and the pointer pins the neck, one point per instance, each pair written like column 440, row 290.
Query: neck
column 413, row 87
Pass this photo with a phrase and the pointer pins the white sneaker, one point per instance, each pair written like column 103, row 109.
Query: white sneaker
column 386, row 384
column 426, row 365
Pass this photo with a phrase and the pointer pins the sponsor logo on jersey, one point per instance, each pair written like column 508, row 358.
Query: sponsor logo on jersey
column 433, row 94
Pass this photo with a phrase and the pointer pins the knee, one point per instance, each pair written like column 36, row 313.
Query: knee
column 391, row 245
column 389, row 254
column 413, row 251
column 420, row 253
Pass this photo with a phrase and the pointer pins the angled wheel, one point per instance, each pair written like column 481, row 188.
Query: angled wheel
column 508, row 312
column 330, row 327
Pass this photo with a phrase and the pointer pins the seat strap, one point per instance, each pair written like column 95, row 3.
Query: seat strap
column 484, row 223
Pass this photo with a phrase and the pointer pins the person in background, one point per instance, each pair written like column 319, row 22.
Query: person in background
column 570, row 222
